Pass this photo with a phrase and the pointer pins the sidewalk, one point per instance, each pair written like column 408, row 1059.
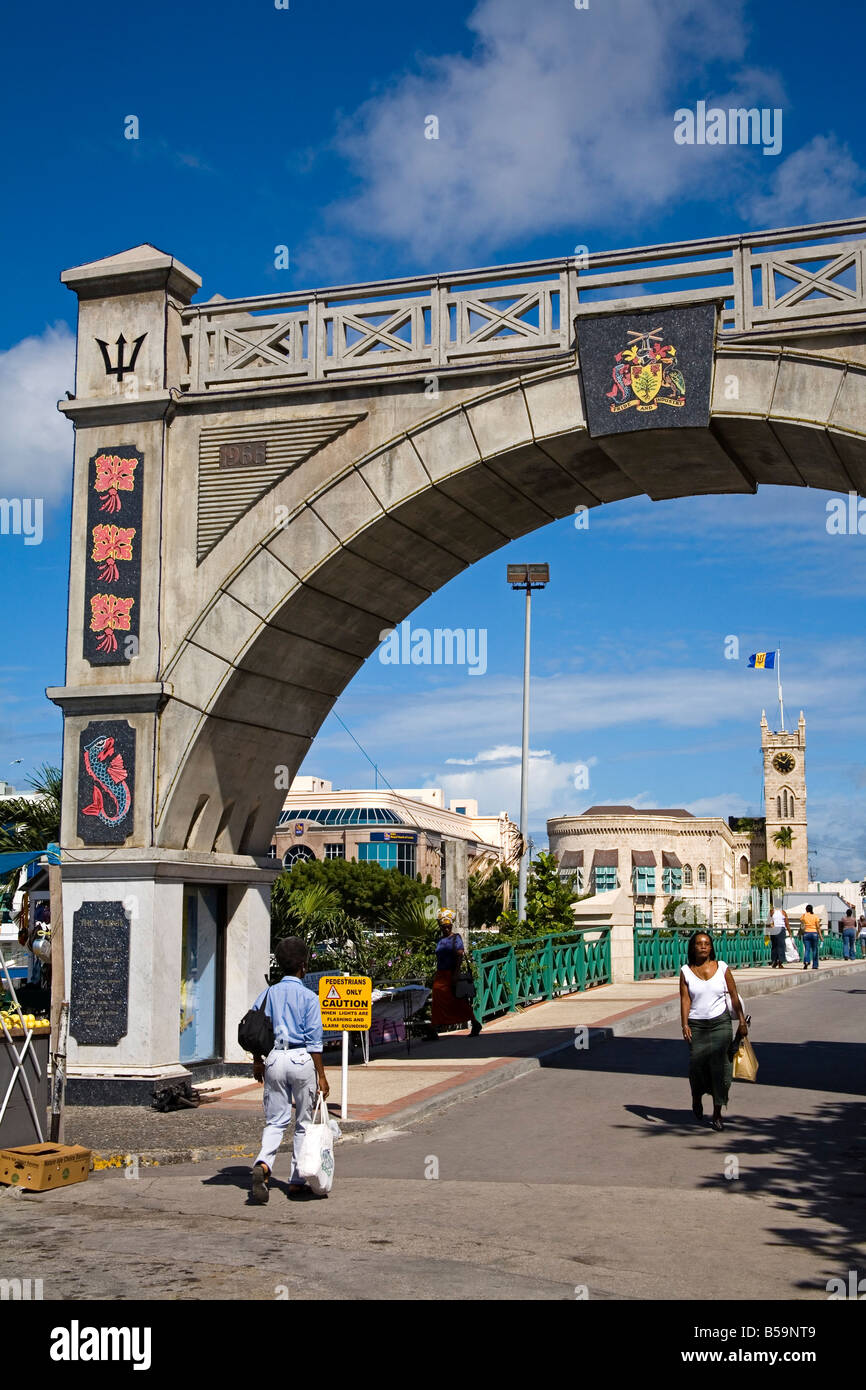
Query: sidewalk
column 395, row 1087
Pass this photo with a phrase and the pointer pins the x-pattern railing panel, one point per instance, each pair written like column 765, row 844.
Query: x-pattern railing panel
column 230, row 348
column 829, row 263
column 527, row 310
column 377, row 343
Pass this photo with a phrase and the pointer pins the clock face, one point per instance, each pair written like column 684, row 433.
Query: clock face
column 784, row 762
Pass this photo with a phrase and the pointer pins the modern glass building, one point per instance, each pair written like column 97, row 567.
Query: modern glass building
column 401, row 829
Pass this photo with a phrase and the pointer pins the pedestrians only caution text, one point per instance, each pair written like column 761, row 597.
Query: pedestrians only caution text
column 347, row 1002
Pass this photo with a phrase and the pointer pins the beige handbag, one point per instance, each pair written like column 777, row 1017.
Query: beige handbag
column 745, row 1066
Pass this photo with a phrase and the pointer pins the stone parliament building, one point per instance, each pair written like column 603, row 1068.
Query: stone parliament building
column 656, row 855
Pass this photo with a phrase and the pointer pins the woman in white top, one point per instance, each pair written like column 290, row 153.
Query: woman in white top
column 706, row 986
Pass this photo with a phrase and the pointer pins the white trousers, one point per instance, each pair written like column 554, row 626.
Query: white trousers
column 290, row 1075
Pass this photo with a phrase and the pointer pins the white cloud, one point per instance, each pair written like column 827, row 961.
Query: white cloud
column 36, row 442
column 819, row 181
column 572, row 705
column 498, row 788
column 503, row 753
column 556, row 119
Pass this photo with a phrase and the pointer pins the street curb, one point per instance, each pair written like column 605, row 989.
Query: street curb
column 369, row 1131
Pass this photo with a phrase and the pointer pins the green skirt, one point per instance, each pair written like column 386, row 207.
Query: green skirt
column 710, row 1067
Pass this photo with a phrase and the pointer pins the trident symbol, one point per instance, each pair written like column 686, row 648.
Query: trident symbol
column 122, row 367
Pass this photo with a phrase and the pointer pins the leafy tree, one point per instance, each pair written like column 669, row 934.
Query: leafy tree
column 769, row 874
column 783, row 840
column 487, row 887
column 364, row 920
column 549, row 898
column 365, row 892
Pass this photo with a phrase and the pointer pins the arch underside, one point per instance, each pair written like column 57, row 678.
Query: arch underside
column 293, row 622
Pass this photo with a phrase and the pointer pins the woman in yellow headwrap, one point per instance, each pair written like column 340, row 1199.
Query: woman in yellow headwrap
column 445, row 1007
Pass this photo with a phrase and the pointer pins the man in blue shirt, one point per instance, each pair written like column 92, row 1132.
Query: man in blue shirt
column 293, row 1070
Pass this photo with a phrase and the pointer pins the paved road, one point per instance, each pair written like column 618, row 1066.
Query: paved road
column 588, row 1176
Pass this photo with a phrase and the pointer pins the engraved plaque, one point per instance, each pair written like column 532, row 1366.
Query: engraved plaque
column 99, row 994
column 248, row 453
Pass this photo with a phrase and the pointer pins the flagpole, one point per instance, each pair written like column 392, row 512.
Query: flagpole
column 779, row 684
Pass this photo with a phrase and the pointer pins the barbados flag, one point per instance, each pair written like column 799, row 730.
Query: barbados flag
column 762, row 661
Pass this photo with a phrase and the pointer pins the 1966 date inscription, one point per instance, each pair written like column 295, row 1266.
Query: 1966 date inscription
column 252, row 453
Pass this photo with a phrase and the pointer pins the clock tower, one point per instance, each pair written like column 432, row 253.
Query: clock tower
column 785, row 798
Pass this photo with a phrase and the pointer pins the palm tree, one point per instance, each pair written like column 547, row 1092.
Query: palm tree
column 783, row 840
column 30, row 823
column 769, row 874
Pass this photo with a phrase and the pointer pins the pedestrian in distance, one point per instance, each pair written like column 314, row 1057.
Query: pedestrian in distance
column 849, row 932
column 706, row 989
column 293, row 1070
column 778, row 930
column 445, row 1007
column 813, row 935
column 862, row 926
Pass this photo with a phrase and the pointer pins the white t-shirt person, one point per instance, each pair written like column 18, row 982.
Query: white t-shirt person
column 778, row 922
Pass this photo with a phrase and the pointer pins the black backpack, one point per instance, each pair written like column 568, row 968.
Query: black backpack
column 256, row 1031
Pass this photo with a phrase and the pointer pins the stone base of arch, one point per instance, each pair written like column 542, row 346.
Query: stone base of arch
column 147, row 888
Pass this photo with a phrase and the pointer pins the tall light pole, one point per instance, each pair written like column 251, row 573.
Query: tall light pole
column 527, row 577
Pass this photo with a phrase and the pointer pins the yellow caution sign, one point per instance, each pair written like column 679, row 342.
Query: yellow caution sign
column 347, row 1002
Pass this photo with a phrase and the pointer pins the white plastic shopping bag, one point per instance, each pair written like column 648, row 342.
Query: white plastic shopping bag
column 316, row 1160
column 791, row 953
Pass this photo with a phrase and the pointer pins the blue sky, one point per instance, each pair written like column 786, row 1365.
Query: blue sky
column 260, row 127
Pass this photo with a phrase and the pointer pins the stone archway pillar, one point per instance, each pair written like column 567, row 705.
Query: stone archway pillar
column 124, row 928
column 125, row 898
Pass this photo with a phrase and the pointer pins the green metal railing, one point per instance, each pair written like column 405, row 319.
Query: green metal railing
column 662, row 952
column 524, row 972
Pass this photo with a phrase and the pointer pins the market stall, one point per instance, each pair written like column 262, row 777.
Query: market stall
column 24, row 1047
column 394, row 1005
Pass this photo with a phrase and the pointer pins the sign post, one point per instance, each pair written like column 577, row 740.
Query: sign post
column 347, row 1006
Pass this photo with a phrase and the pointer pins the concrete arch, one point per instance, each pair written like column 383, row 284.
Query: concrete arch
column 288, row 612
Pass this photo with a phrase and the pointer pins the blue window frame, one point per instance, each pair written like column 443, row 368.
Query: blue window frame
column 643, row 919
column 573, row 877
column 672, row 880
column 644, row 880
column 389, row 855
column 605, row 878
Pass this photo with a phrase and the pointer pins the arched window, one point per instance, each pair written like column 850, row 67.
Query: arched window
column 702, row 875
column 744, row 865
column 296, row 855
column 779, row 812
column 687, row 875
column 790, row 878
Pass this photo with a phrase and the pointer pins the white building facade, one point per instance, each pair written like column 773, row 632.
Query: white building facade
column 399, row 829
column 656, row 855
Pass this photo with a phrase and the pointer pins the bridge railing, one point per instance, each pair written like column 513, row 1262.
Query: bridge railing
column 659, row 953
column 537, row 968
column 799, row 277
